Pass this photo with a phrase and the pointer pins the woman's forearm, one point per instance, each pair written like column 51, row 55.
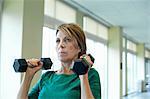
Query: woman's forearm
column 33, row 66
column 23, row 92
column 86, row 92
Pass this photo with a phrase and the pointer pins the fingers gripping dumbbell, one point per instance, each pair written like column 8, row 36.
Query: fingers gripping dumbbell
column 81, row 66
column 20, row 65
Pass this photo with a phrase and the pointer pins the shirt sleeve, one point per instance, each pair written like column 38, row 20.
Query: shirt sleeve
column 95, row 85
column 34, row 92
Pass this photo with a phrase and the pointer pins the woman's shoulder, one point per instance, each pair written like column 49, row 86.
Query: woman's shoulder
column 93, row 73
column 93, row 70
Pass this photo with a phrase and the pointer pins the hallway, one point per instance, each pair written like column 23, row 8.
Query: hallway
column 144, row 95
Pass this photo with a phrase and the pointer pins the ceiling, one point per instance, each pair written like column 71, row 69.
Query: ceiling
column 132, row 15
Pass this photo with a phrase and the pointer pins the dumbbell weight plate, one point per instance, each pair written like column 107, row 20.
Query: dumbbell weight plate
column 17, row 64
column 80, row 67
column 47, row 63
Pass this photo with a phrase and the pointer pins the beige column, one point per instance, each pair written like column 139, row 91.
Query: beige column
column 33, row 19
column 140, row 61
column 79, row 18
column 114, row 63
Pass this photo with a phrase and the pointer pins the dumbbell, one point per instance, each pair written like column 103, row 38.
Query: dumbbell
column 20, row 65
column 81, row 66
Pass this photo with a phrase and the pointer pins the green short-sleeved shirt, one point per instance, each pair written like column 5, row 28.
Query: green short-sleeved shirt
column 62, row 86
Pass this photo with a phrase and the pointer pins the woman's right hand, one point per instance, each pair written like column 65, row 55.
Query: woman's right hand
column 33, row 66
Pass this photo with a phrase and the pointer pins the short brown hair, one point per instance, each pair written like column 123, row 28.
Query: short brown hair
column 74, row 30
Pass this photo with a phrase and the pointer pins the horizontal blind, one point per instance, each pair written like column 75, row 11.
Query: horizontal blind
column 147, row 54
column 131, row 46
column 49, row 8
column 65, row 13
column 95, row 28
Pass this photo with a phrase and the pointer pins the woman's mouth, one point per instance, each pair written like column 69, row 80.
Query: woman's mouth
column 62, row 53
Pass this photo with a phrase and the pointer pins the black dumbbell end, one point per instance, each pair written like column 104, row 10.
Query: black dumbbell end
column 47, row 63
column 80, row 67
column 20, row 65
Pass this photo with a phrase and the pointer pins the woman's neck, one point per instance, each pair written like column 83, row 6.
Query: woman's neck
column 65, row 68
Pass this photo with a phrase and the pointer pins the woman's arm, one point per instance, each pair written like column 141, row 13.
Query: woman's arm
column 86, row 92
column 33, row 66
column 23, row 92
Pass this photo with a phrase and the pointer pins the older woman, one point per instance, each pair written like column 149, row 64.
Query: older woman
column 63, row 83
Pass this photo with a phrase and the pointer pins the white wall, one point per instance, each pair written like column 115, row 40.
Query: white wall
column 10, row 47
column 0, row 38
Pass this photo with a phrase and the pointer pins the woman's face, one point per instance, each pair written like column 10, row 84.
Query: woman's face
column 66, row 47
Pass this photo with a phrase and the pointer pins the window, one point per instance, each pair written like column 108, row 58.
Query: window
column 147, row 54
column 129, row 70
column 99, row 52
column 123, row 74
column 147, row 72
column 131, row 46
column 90, row 25
column 95, row 28
column 97, row 33
column 48, row 46
column 102, row 31
column 131, row 73
column 49, row 8
column 60, row 15
column 56, row 8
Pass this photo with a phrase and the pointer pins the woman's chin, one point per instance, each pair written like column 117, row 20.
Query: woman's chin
column 64, row 60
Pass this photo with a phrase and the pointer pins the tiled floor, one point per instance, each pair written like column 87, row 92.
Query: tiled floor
column 144, row 95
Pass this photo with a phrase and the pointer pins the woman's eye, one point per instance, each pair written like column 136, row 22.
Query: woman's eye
column 57, row 41
column 67, row 40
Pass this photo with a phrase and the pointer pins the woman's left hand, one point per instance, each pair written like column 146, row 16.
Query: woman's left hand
column 86, row 92
column 87, row 57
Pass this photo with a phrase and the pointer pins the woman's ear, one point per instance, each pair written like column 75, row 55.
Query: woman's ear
column 79, row 53
column 79, row 50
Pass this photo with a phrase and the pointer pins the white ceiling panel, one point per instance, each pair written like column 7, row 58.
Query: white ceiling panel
column 132, row 15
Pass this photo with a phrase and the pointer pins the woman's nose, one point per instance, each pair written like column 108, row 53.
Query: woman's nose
column 61, row 44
